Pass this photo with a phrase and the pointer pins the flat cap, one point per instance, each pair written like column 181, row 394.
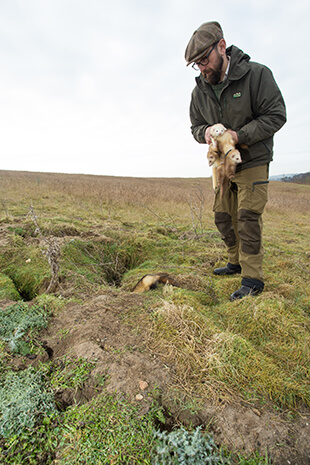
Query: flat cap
column 205, row 36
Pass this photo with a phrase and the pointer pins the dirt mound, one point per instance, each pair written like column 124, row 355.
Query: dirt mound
column 95, row 331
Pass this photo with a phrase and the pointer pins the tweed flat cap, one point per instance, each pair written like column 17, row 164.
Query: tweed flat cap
column 205, row 36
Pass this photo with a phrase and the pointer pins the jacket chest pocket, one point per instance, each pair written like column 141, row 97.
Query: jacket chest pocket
column 236, row 109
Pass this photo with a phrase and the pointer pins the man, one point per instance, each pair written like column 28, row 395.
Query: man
column 244, row 97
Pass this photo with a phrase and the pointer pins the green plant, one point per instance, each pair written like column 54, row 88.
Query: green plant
column 70, row 373
column 33, row 446
column 186, row 448
column 19, row 231
column 20, row 320
column 255, row 459
column 23, row 400
column 3, row 357
column 107, row 430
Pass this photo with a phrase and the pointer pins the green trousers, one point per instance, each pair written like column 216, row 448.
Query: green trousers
column 238, row 217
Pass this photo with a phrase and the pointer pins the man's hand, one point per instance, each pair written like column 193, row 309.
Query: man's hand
column 233, row 135
column 209, row 140
column 208, row 136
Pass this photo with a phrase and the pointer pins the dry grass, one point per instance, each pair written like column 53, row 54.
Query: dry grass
column 148, row 196
column 286, row 198
column 259, row 348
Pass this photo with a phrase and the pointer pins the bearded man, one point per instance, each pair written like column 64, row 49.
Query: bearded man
column 244, row 97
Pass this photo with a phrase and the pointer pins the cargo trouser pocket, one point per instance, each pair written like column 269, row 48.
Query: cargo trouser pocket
column 259, row 196
column 254, row 196
column 249, row 231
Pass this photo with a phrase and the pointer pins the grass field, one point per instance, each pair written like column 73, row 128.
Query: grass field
column 238, row 370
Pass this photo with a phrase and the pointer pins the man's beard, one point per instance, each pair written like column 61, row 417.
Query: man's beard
column 213, row 77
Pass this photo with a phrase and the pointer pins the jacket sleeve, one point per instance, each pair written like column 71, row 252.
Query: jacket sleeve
column 199, row 124
column 268, row 108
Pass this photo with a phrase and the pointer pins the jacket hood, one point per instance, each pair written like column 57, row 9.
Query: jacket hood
column 239, row 66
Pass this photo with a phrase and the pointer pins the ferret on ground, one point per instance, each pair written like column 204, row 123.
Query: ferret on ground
column 150, row 281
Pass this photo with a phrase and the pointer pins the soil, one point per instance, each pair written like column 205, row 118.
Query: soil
column 97, row 330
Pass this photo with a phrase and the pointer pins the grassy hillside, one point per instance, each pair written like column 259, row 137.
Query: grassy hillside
column 303, row 178
column 71, row 249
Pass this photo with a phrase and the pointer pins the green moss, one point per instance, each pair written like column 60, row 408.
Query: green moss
column 7, row 288
column 26, row 266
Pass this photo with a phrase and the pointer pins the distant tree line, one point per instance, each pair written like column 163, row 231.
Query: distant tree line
column 303, row 178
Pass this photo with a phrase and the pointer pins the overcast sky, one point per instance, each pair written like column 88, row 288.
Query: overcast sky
column 102, row 87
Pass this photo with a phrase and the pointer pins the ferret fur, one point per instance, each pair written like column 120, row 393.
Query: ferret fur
column 222, row 156
column 150, row 281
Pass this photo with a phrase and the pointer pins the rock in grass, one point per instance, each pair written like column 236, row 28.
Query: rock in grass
column 143, row 385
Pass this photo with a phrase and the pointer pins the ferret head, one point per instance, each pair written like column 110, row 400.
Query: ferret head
column 217, row 130
column 235, row 156
column 211, row 159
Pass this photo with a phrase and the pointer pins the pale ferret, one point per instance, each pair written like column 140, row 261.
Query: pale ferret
column 222, row 156
column 150, row 281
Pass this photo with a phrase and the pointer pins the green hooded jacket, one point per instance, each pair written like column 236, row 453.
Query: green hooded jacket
column 250, row 103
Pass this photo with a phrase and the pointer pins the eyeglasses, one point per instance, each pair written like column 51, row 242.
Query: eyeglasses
column 205, row 59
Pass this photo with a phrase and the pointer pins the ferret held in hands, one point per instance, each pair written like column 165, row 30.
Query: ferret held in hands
column 222, row 156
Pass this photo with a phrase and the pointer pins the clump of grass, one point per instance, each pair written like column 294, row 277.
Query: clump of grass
column 7, row 288
column 51, row 302
column 255, row 459
column 107, row 430
column 25, row 265
column 69, row 373
column 275, row 328
column 102, row 261
column 182, row 336
column 220, row 363
column 36, row 445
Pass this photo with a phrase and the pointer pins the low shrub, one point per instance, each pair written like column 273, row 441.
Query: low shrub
column 186, row 448
column 19, row 322
column 23, row 400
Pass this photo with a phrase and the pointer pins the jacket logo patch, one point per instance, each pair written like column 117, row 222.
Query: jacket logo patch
column 237, row 95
